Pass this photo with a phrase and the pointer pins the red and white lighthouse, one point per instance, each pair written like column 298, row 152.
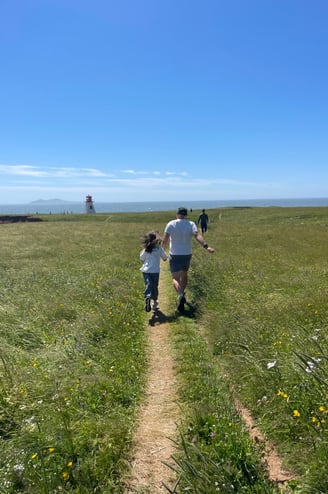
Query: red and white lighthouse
column 89, row 207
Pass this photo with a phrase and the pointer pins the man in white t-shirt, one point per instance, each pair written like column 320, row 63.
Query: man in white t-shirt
column 180, row 233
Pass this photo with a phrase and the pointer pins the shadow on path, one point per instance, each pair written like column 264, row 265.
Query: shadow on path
column 158, row 317
column 189, row 311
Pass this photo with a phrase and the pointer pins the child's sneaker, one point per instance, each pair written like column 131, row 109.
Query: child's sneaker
column 155, row 305
column 147, row 304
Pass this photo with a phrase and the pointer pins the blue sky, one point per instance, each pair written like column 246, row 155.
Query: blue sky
column 137, row 100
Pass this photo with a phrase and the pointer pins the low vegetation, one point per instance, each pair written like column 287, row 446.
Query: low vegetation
column 215, row 453
column 265, row 313
column 73, row 351
column 72, row 355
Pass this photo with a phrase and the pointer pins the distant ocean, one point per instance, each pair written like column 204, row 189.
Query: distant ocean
column 45, row 207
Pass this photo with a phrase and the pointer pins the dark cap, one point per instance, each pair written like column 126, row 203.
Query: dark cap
column 182, row 211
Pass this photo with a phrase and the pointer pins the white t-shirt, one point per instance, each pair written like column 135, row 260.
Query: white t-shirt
column 181, row 233
column 152, row 260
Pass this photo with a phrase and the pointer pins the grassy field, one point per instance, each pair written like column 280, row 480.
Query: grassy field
column 73, row 350
column 265, row 315
column 72, row 354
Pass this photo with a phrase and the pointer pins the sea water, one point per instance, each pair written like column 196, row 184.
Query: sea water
column 130, row 207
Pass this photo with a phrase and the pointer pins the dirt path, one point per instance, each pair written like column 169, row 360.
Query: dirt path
column 271, row 460
column 159, row 415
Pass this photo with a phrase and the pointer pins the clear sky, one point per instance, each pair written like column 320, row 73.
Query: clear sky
column 137, row 100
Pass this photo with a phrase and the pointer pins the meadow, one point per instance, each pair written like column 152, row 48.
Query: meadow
column 265, row 318
column 73, row 354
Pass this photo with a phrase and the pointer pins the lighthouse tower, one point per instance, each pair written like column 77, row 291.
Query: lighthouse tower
column 89, row 207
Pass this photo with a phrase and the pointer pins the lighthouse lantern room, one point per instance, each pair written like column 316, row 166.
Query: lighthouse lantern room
column 89, row 207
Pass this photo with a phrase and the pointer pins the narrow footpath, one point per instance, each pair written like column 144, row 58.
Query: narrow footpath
column 159, row 415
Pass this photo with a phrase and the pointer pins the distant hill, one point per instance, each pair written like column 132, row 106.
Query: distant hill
column 52, row 201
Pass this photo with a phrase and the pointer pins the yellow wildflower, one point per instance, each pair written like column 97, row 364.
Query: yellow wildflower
column 65, row 475
column 282, row 393
column 296, row 413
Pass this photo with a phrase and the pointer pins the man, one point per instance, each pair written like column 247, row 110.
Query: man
column 203, row 220
column 180, row 233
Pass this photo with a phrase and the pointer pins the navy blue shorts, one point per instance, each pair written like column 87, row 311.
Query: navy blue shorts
column 179, row 263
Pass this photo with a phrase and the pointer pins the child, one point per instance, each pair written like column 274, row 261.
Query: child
column 151, row 255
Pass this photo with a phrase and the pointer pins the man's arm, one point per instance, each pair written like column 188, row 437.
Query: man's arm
column 165, row 240
column 201, row 241
column 163, row 254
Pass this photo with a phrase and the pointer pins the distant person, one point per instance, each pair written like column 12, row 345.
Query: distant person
column 203, row 220
column 151, row 256
column 180, row 233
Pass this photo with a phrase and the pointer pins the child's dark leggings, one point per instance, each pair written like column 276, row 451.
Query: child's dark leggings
column 151, row 282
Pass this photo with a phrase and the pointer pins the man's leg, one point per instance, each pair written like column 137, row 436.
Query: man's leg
column 176, row 278
column 180, row 280
column 179, row 266
column 183, row 280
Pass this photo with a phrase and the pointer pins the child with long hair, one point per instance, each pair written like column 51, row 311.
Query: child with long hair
column 151, row 256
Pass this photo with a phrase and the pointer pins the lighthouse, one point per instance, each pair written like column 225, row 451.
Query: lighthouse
column 89, row 207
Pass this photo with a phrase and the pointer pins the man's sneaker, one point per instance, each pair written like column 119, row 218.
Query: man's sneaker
column 181, row 302
column 155, row 305
column 147, row 304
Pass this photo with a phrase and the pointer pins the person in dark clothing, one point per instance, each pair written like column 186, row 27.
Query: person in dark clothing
column 203, row 220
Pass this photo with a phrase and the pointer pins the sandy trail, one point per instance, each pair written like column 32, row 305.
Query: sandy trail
column 159, row 414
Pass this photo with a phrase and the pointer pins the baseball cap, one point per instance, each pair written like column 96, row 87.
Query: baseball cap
column 182, row 211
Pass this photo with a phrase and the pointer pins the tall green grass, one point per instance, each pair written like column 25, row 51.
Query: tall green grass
column 73, row 351
column 265, row 313
column 214, row 453
column 72, row 354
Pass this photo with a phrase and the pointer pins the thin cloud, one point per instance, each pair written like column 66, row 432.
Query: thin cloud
column 130, row 172
column 134, row 172
column 137, row 178
column 28, row 182
column 50, row 172
column 178, row 174
column 155, row 172
column 181, row 181
column 25, row 170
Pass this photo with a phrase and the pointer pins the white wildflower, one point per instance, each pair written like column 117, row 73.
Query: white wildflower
column 18, row 468
column 312, row 365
